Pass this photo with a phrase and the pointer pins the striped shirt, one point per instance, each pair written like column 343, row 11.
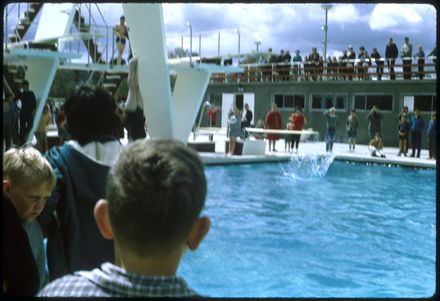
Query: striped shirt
column 112, row 281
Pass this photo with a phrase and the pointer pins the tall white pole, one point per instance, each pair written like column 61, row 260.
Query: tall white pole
column 190, row 42
column 218, row 44
column 326, row 7
column 181, row 46
column 200, row 45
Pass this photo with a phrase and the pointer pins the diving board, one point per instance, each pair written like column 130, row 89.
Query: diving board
column 281, row 132
column 55, row 21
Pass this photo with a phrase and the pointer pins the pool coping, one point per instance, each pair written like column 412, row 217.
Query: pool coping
column 341, row 153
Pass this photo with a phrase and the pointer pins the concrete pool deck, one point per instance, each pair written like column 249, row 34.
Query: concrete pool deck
column 340, row 150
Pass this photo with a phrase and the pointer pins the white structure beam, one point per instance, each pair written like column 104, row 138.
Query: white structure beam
column 147, row 38
column 189, row 91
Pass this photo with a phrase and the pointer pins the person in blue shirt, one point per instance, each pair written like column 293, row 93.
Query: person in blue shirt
column 417, row 125
column 432, row 133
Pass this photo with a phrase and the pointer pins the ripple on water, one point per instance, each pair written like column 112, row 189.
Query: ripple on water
column 280, row 232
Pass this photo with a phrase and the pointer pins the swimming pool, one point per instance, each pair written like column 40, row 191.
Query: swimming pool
column 357, row 231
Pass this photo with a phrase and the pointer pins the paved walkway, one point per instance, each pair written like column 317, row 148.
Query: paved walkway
column 340, row 150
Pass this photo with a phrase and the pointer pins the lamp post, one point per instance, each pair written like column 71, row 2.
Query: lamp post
column 200, row 45
column 190, row 42
column 238, row 32
column 218, row 44
column 258, row 44
column 326, row 7
column 181, row 46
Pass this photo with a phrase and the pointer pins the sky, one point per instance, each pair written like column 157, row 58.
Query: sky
column 291, row 26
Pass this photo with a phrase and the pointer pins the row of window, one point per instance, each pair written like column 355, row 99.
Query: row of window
column 361, row 102
column 426, row 103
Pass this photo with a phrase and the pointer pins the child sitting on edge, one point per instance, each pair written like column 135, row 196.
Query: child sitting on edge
column 154, row 196
column 375, row 146
column 28, row 180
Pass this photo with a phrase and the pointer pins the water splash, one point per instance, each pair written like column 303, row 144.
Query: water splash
column 305, row 166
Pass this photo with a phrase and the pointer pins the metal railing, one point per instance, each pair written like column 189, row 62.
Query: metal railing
column 342, row 70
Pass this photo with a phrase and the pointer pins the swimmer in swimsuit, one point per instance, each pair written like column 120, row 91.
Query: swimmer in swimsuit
column 121, row 34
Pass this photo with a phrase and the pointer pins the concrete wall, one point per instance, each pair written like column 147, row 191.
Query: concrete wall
column 264, row 97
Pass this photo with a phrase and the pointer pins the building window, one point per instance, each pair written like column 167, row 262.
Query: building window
column 366, row 102
column 289, row 101
column 239, row 101
column 426, row 103
column 324, row 102
column 215, row 99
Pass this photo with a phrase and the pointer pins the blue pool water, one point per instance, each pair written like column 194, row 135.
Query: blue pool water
column 281, row 231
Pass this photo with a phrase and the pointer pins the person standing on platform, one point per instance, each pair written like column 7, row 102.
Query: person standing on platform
column 61, row 126
column 375, row 55
column 417, row 125
column 121, row 31
column 247, row 116
column 351, row 126
column 403, row 135
column 287, row 61
column 259, row 125
column 134, row 106
column 81, row 165
column 391, row 53
column 332, row 125
column 234, row 129
column 10, row 122
column 273, row 122
column 298, row 122
column 297, row 60
column 41, row 131
column 420, row 57
column 288, row 139
column 212, row 115
column 432, row 135
column 405, row 111
column 314, row 61
column 406, row 58
column 27, row 112
column 351, row 57
column 374, row 121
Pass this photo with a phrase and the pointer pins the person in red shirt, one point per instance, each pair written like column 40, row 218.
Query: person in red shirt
column 212, row 116
column 61, row 122
column 298, row 122
column 273, row 121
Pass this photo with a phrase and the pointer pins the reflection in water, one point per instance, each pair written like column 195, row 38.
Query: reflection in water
column 308, row 165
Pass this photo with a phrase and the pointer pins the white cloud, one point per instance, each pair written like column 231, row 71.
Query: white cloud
column 346, row 14
column 394, row 17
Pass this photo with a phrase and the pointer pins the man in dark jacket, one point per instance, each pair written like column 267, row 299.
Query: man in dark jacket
column 391, row 53
column 81, row 165
column 375, row 55
column 27, row 113
column 417, row 125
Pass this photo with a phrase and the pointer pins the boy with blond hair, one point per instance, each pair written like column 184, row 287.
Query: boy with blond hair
column 28, row 180
column 154, row 196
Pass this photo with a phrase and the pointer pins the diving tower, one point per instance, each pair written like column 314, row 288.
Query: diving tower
column 169, row 115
